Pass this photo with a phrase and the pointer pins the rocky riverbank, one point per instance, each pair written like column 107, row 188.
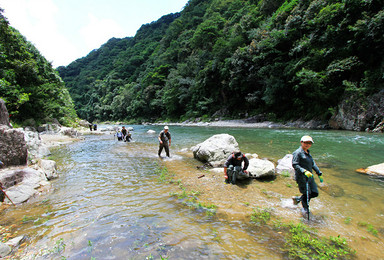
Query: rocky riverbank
column 24, row 170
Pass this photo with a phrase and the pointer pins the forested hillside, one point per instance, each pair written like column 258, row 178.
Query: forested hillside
column 29, row 85
column 284, row 59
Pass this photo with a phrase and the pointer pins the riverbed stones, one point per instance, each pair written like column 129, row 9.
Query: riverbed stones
column 215, row 149
column 260, row 168
column 377, row 170
column 151, row 131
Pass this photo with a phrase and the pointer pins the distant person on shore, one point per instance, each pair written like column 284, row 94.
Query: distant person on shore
column 233, row 169
column 164, row 138
column 303, row 164
column 94, row 127
column 90, row 126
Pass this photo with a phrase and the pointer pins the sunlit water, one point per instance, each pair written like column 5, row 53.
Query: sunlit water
column 109, row 203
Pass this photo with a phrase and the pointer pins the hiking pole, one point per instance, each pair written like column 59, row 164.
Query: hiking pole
column 1, row 188
column 307, row 186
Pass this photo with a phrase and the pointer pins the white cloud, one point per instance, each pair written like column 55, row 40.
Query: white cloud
column 36, row 21
column 99, row 31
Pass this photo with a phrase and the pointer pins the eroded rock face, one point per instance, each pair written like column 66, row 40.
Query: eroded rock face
column 13, row 148
column 215, row 149
column 360, row 114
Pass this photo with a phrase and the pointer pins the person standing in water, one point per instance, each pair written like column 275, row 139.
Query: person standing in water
column 303, row 164
column 164, row 138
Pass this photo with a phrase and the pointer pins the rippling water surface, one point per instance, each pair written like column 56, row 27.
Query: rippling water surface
column 109, row 203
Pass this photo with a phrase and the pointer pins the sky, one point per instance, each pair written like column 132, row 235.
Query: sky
column 65, row 30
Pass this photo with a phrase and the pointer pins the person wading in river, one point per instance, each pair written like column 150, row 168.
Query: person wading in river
column 303, row 164
column 164, row 137
column 233, row 169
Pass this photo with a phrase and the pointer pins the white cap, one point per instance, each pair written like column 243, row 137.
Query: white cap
column 306, row 138
column 166, row 127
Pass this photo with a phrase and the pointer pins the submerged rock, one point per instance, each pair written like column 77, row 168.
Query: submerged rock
column 332, row 189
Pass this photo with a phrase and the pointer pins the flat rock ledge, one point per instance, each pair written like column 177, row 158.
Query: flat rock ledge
column 376, row 170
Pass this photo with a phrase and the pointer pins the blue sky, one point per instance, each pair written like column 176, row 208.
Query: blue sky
column 65, row 30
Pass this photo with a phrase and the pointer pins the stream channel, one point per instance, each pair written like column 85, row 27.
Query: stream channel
column 110, row 201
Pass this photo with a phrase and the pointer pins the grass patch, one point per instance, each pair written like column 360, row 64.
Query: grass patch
column 303, row 243
column 285, row 174
column 260, row 216
column 369, row 227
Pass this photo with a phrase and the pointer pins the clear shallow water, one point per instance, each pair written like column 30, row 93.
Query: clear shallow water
column 109, row 204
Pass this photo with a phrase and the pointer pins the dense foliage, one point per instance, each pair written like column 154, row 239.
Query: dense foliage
column 31, row 88
column 285, row 59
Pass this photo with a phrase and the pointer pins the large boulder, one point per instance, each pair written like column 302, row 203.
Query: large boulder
column 259, row 168
column 35, row 145
column 215, row 149
column 13, row 148
column 285, row 165
column 22, row 183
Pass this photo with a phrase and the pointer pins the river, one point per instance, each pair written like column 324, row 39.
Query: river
column 110, row 201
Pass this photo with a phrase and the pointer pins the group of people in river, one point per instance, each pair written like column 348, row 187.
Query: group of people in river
column 302, row 163
column 236, row 165
column 123, row 135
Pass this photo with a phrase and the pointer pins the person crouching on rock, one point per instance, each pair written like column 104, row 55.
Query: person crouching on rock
column 233, row 169
column 303, row 164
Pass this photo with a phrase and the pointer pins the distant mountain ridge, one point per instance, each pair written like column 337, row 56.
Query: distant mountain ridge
column 235, row 58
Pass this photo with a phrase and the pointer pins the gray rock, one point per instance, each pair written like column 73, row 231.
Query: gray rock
column 4, row 250
column 151, row 132
column 69, row 131
column 49, row 168
column 16, row 241
column 22, row 183
column 285, row 165
column 215, row 149
column 36, row 147
column 259, row 168
column 13, row 148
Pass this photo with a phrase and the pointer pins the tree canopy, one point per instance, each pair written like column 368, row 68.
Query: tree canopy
column 286, row 59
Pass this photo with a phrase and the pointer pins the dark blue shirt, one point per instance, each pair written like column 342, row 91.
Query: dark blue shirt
column 303, row 161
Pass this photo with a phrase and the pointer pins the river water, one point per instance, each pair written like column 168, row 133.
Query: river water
column 109, row 202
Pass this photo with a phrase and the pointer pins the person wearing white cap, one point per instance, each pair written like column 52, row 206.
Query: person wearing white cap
column 303, row 164
column 164, row 138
